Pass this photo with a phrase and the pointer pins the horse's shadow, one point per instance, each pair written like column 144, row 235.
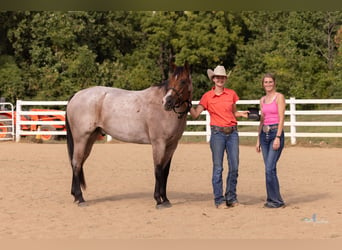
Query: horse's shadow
column 175, row 197
column 178, row 198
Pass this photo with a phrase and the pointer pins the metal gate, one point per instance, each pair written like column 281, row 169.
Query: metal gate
column 6, row 121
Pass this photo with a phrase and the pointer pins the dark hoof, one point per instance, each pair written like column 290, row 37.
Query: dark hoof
column 81, row 203
column 163, row 205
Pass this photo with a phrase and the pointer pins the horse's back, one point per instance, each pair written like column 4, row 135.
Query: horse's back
column 86, row 104
column 96, row 104
column 131, row 116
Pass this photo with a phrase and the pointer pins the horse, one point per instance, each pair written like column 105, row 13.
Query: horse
column 155, row 115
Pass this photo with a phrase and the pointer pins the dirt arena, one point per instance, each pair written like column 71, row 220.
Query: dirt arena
column 35, row 198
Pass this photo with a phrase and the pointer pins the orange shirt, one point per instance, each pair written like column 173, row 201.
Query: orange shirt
column 220, row 107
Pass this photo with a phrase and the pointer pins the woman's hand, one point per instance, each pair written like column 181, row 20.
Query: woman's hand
column 195, row 112
column 257, row 148
column 276, row 143
column 241, row 114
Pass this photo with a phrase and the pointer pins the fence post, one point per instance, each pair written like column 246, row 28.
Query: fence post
column 207, row 126
column 293, row 120
column 18, row 121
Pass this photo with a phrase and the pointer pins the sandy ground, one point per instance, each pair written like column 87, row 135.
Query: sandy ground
column 35, row 200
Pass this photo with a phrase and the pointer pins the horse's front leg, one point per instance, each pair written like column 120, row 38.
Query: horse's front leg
column 161, row 175
column 162, row 156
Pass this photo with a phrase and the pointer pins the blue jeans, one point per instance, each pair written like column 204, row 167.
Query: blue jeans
column 220, row 143
column 271, row 158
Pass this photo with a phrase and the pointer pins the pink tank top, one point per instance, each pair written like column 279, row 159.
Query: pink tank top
column 270, row 111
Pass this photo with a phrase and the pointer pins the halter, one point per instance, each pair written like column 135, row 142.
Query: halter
column 179, row 103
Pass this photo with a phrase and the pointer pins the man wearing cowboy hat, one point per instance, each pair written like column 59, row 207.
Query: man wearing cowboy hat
column 220, row 102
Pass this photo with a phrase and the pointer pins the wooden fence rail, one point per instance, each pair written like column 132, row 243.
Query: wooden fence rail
column 291, row 123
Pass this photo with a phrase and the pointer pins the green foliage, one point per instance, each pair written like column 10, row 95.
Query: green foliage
column 49, row 55
column 12, row 86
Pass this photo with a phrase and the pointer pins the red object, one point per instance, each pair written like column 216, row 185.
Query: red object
column 34, row 127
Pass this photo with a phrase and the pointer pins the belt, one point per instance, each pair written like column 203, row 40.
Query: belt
column 225, row 130
column 267, row 128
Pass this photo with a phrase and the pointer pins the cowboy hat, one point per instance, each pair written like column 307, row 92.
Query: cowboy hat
column 253, row 114
column 218, row 71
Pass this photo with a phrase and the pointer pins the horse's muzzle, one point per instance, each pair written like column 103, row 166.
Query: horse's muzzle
column 169, row 103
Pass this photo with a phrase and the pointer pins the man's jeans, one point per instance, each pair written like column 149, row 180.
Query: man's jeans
column 271, row 158
column 220, row 143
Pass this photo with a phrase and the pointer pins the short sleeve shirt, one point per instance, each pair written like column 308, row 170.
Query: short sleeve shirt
column 220, row 107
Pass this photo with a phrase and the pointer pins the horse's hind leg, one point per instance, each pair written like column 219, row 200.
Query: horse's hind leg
column 77, row 175
column 81, row 152
column 78, row 179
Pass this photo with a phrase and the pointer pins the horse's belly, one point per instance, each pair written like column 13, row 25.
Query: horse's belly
column 127, row 131
column 140, row 138
column 124, row 138
column 139, row 130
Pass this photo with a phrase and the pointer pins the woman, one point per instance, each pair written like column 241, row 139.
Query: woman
column 271, row 138
column 220, row 102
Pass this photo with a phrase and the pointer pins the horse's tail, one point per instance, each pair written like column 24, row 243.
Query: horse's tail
column 70, row 145
column 69, row 138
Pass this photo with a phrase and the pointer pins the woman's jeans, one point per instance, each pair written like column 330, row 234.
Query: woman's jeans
column 220, row 143
column 271, row 158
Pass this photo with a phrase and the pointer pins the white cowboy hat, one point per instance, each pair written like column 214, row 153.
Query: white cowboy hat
column 218, row 71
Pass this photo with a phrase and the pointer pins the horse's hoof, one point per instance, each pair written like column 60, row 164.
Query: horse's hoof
column 82, row 204
column 160, row 206
column 167, row 204
column 163, row 205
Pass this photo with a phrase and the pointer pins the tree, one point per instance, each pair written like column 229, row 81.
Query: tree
column 295, row 46
column 52, row 54
column 206, row 39
column 12, row 86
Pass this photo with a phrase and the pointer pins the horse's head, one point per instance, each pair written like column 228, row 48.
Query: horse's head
column 179, row 89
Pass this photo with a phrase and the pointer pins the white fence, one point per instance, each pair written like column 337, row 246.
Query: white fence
column 6, row 121
column 20, row 113
column 291, row 111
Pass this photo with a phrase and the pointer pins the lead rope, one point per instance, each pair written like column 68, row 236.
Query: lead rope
column 182, row 113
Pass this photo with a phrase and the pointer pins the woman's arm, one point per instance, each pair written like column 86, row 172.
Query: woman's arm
column 239, row 113
column 281, row 113
column 195, row 112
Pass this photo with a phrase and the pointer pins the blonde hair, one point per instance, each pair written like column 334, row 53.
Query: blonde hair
column 268, row 75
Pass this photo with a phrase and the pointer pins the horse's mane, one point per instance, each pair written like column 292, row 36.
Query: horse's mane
column 162, row 84
column 165, row 83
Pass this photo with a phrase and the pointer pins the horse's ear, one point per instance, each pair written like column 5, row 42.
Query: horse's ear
column 172, row 66
column 187, row 66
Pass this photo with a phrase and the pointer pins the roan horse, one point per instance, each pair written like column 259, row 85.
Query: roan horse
column 156, row 115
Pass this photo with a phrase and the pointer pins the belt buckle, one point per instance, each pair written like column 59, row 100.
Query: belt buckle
column 266, row 128
column 227, row 130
